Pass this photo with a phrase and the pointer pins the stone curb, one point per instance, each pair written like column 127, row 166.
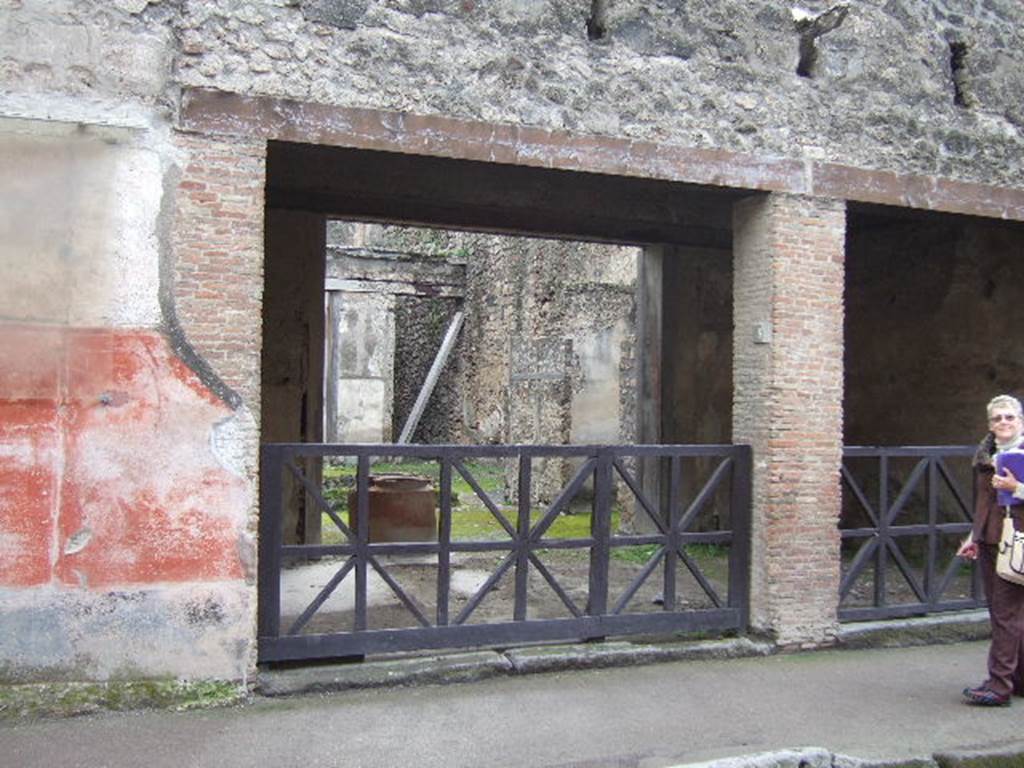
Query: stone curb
column 324, row 678
column 467, row 667
column 925, row 630
column 809, row 757
column 1008, row 755
column 552, row 659
column 441, row 669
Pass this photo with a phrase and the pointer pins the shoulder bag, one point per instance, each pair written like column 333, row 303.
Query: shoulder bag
column 1010, row 560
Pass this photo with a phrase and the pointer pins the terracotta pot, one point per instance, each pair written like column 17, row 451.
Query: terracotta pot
column 402, row 508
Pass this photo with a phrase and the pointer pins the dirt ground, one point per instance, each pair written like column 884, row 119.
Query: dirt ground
column 469, row 575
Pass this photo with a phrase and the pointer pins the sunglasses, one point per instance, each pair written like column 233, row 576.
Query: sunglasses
column 1010, row 417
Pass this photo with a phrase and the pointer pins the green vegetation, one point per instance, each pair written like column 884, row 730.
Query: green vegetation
column 64, row 699
column 639, row 553
column 340, row 479
column 473, row 521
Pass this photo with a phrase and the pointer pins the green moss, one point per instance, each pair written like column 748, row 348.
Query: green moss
column 65, row 699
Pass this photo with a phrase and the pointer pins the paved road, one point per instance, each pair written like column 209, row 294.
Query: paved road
column 878, row 704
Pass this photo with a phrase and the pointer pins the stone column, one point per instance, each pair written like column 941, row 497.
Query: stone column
column 788, row 397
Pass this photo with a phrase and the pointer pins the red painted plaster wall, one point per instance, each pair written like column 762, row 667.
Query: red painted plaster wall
column 108, row 470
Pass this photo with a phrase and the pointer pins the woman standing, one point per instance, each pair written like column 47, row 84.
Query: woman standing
column 1005, row 599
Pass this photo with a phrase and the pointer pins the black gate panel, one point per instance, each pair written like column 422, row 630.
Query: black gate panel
column 696, row 571
column 905, row 511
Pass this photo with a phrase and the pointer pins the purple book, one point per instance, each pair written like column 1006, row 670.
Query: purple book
column 1014, row 461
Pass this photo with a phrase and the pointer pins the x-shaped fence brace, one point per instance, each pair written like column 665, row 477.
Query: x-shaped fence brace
column 881, row 537
column 525, row 538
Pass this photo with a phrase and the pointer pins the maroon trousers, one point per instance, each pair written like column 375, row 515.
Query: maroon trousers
column 1006, row 613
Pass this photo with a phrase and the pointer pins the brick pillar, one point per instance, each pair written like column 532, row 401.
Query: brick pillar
column 211, row 292
column 217, row 272
column 788, row 397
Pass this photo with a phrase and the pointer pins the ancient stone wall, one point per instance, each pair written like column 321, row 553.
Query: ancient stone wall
column 928, row 89
column 922, row 88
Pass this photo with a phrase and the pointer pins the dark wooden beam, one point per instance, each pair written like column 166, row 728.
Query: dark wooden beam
column 460, row 194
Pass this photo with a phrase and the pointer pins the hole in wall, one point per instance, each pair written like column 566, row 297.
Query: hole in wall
column 811, row 27
column 807, row 65
column 597, row 21
column 962, row 95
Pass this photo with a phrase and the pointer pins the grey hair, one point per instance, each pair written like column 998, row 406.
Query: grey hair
column 1005, row 401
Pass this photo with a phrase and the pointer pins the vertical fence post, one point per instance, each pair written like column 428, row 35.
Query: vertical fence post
column 740, row 547
column 930, row 582
column 977, row 588
column 362, row 538
column 600, row 532
column 444, row 541
column 675, row 475
column 883, row 528
column 271, row 521
column 523, row 536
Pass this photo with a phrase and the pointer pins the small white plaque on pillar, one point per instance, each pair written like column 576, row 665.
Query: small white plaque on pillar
column 763, row 332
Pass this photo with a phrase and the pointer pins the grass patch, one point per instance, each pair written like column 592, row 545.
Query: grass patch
column 702, row 554
column 476, row 523
column 339, row 479
column 639, row 553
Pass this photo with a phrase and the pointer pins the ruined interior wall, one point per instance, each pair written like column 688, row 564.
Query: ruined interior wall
column 706, row 73
column 421, row 324
column 127, row 482
column 571, row 319
column 932, row 328
column 546, row 353
column 360, row 367
column 411, row 283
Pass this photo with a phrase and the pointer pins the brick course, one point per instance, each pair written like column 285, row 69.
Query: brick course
column 789, row 270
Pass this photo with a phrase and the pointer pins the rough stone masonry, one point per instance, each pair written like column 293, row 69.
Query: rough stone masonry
column 137, row 140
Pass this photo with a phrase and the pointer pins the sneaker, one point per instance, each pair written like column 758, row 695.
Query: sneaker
column 984, row 697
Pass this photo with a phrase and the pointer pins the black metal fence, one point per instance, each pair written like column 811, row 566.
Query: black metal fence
column 602, row 582
column 905, row 512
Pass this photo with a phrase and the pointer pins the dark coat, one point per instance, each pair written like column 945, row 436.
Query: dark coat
column 988, row 515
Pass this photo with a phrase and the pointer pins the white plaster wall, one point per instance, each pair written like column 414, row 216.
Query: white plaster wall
column 595, row 413
column 79, row 212
column 361, row 348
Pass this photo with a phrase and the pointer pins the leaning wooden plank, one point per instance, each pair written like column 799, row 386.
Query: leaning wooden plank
column 432, row 376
